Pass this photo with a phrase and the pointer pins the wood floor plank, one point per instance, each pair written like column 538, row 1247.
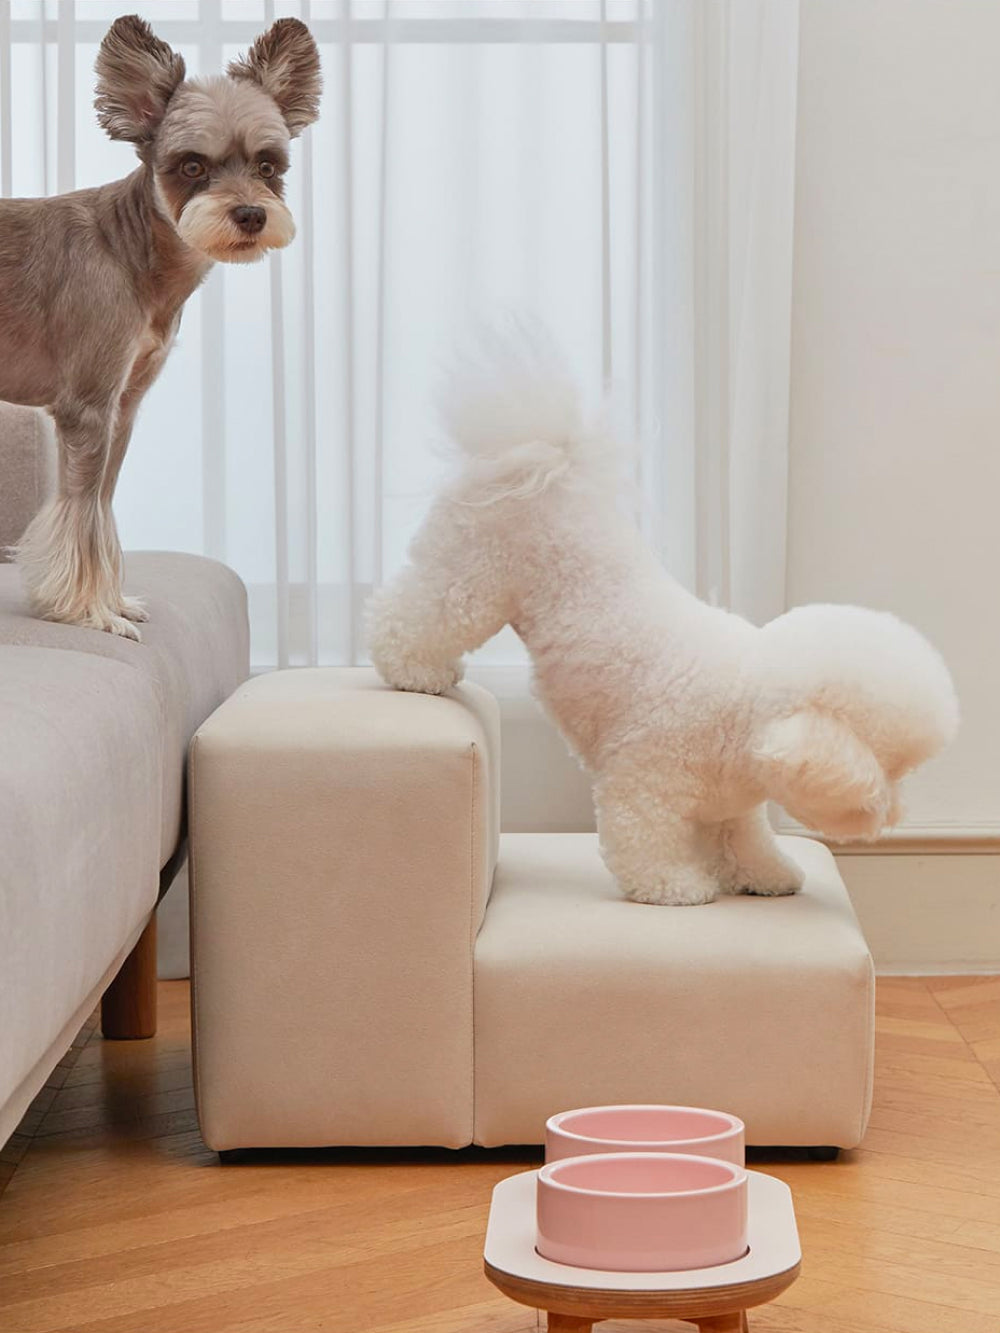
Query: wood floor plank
column 895, row 1097
column 865, row 1311
column 491, row 1317
column 936, row 1127
column 953, row 1152
column 889, row 1178
column 378, row 1291
column 936, row 1066
column 951, row 1257
column 935, row 1028
column 915, row 1085
column 954, row 992
column 975, row 1023
column 126, row 1085
column 153, row 1277
column 979, row 1235
column 895, row 1044
column 909, row 1281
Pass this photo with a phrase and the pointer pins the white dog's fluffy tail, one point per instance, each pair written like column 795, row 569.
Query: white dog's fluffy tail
column 514, row 411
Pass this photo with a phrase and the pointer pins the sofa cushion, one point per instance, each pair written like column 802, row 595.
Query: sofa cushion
column 194, row 650
column 80, row 776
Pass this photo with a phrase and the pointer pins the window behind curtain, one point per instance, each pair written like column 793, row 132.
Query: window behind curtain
column 471, row 159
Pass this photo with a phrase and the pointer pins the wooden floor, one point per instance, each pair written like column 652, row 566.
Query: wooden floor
column 116, row 1218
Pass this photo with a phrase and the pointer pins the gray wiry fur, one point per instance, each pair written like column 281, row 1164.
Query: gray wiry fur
column 93, row 283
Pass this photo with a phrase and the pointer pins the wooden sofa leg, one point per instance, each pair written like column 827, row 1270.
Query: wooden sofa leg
column 128, row 1006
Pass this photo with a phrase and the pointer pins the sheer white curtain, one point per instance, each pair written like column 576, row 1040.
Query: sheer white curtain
column 622, row 169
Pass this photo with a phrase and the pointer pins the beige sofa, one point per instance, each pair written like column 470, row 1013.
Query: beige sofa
column 93, row 732
column 376, row 963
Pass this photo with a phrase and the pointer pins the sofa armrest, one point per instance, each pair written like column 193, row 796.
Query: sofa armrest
column 27, row 469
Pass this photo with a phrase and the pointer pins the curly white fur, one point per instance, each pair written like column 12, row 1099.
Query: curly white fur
column 687, row 717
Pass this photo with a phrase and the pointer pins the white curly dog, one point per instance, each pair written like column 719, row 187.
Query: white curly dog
column 687, row 717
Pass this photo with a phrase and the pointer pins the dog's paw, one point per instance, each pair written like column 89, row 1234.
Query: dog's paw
column 132, row 608
column 768, row 890
column 110, row 623
column 99, row 618
column 122, row 627
column 778, row 882
column 422, row 679
column 684, row 888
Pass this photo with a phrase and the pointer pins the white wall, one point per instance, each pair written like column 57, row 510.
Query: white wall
column 895, row 408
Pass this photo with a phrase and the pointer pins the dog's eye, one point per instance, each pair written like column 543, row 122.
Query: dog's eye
column 266, row 169
column 193, row 169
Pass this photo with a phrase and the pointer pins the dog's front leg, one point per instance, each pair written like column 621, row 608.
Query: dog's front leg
column 448, row 601
column 144, row 372
column 129, row 607
column 69, row 556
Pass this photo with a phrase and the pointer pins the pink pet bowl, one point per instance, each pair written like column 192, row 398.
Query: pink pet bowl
column 674, row 1129
column 642, row 1212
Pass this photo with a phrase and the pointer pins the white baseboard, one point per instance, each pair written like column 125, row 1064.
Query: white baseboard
column 970, row 970
column 928, row 914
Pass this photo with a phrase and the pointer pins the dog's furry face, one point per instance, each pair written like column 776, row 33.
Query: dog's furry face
column 217, row 148
column 219, row 161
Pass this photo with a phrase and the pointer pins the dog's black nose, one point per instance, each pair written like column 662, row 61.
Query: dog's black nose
column 249, row 218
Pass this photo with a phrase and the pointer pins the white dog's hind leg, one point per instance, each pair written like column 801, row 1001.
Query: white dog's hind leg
column 752, row 860
column 655, row 854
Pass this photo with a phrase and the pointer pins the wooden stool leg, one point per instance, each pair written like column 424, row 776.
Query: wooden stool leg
column 725, row 1323
column 569, row 1323
column 128, row 1006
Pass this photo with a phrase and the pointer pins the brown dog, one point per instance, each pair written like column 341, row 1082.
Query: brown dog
column 92, row 284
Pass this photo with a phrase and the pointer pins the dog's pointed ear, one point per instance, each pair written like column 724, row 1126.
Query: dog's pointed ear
column 136, row 77
column 812, row 760
column 284, row 62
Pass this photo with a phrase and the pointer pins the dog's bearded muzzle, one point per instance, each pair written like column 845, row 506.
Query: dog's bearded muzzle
column 235, row 231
